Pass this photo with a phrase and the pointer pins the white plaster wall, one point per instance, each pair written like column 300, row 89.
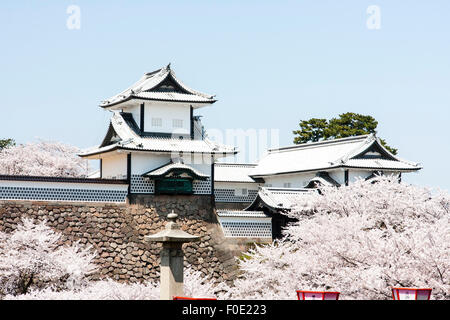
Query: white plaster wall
column 236, row 185
column 246, row 227
column 63, row 185
column 135, row 110
column 390, row 173
column 167, row 112
column 298, row 180
column 142, row 162
column 338, row 176
column 354, row 175
column 196, row 159
column 203, row 168
column 114, row 166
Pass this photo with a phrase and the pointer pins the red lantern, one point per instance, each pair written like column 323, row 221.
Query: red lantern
column 188, row 298
column 317, row 295
column 411, row 293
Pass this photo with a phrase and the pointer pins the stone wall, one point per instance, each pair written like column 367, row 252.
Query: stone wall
column 116, row 232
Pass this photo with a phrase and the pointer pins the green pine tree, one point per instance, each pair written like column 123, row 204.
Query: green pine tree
column 346, row 125
column 5, row 143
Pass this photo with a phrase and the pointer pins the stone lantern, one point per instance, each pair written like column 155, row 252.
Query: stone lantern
column 172, row 239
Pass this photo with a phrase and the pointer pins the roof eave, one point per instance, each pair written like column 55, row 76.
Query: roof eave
column 154, row 99
column 235, row 181
column 331, row 168
column 259, row 200
column 255, row 176
column 319, row 143
column 97, row 152
column 196, row 175
column 84, row 155
column 383, row 168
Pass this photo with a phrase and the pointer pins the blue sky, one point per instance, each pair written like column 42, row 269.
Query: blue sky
column 271, row 64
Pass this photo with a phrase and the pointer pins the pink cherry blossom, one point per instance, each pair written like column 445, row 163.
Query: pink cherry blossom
column 360, row 240
column 43, row 158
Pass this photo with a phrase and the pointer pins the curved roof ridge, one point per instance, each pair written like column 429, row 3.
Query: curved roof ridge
column 231, row 164
column 369, row 140
column 133, row 88
column 215, row 145
column 131, row 140
column 395, row 156
column 374, row 139
column 185, row 87
column 122, row 129
column 278, row 198
column 319, row 143
column 168, row 167
column 149, row 81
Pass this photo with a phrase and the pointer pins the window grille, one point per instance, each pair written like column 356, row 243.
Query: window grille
column 62, row 194
column 156, row 122
column 241, row 192
column 247, row 229
column 201, row 187
column 177, row 123
column 141, row 185
column 229, row 195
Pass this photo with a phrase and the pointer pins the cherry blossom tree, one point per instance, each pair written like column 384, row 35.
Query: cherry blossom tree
column 34, row 265
column 42, row 158
column 95, row 290
column 360, row 240
column 32, row 256
column 195, row 285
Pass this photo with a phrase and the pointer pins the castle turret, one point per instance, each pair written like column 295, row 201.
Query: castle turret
column 155, row 141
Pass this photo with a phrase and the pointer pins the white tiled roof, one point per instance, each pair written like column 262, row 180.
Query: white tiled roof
column 379, row 164
column 97, row 150
column 282, row 198
column 233, row 172
column 132, row 141
column 170, row 166
column 324, row 155
column 240, row 213
column 141, row 89
column 172, row 96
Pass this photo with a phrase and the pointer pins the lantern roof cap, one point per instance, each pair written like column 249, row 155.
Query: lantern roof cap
column 172, row 232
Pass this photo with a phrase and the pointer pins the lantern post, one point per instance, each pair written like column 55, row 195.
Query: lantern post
column 171, row 266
